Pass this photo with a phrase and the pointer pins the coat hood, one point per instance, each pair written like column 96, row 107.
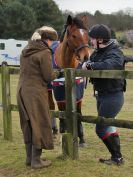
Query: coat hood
column 34, row 47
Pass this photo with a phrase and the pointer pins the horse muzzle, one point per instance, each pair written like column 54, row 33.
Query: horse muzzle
column 83, row 56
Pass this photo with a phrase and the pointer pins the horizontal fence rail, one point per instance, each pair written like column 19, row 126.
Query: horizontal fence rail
column 116, row 74
column 90, row 119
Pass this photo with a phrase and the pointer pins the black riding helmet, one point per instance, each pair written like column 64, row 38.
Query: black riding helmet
column 100, row 32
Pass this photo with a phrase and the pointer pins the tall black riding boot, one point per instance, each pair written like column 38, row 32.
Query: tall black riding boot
column 80, row 127
column 28, row 148
column 36, row 160
column 113, row 145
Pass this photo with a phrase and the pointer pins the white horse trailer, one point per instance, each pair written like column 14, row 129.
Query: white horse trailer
column 10, row 50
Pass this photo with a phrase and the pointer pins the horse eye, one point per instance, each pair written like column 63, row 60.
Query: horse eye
column 73, row 36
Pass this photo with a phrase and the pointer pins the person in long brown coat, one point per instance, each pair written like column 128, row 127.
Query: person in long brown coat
column 32, row 97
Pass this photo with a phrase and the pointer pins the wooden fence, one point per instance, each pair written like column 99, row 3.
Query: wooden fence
column 69, row 139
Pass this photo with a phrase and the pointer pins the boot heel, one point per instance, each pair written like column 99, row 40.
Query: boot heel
column 36, row 162
column 28, row 148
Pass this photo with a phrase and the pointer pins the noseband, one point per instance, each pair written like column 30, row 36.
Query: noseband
column 80, row 47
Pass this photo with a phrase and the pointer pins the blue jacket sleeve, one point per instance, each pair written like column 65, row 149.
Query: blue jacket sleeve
column 112, row 61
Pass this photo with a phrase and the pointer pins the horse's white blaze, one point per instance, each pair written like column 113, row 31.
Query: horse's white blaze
column 89, row 54
column 81, row 32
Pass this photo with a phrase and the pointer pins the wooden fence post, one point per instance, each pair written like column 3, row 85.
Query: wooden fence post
column 70, row 139
column 6, row 102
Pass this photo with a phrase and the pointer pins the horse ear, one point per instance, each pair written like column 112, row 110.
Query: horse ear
column 69, row 20
column 85, row 20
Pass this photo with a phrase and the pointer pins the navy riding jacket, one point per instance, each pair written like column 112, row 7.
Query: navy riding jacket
column 108, row 58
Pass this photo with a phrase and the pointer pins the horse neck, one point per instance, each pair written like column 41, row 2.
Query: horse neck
column 67, row 56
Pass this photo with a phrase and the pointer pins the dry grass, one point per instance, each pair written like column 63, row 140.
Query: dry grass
column 12, row 154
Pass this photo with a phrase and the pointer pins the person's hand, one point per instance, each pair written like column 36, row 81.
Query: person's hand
column 87, row 65
column 61, row 73
column 84, row 66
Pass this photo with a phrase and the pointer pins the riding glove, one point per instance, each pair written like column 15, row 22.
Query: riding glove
column 87, row 65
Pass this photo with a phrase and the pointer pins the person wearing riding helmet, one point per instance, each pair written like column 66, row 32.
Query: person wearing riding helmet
column 108, row 92
column 32, row 97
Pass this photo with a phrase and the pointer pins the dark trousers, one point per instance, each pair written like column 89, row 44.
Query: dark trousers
column 108, row 106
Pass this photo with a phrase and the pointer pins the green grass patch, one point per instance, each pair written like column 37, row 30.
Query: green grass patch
column 128, row 51
column 119, row 34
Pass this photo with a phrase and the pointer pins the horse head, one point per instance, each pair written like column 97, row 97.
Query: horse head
column 77, row 37
column 74, row 48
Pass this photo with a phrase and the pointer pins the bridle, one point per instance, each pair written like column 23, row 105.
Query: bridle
column 77, row 48
column 80, row 47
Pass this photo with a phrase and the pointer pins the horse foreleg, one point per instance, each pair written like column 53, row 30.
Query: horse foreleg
column 52, row 107
column 80, row 126
column 62, row 107
column 62, row 123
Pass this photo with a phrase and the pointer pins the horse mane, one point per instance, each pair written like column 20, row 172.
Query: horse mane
column 79, row 23
column 63, row 33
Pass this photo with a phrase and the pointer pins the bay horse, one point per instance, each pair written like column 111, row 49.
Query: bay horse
column 71, row 52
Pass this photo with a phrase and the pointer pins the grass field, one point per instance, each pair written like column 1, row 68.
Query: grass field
column 128, row 51
column 12, row 154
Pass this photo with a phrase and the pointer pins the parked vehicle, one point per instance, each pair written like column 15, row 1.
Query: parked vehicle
column 10, row 50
